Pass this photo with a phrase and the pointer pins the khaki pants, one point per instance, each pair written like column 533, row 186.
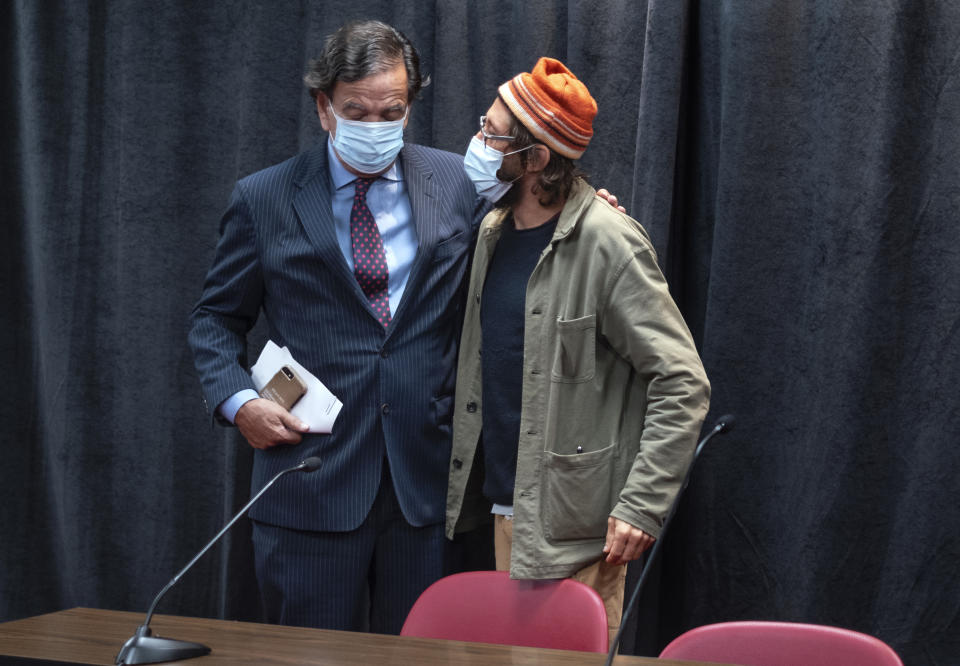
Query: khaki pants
column 607, row 579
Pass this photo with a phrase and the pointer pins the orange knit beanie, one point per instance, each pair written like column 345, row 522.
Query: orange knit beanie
column 554, row 105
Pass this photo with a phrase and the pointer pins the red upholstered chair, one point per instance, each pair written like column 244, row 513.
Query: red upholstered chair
column 780, row 644
column 489, row 607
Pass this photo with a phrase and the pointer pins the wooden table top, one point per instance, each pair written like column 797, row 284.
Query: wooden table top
column 92, row 636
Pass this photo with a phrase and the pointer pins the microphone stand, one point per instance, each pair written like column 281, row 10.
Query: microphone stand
column 145, row 648
column 724, row 424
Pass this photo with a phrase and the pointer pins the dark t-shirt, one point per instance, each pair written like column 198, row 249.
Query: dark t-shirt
column 502, row 322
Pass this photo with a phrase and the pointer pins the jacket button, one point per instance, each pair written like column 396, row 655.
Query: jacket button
column 384, row 353
column 457, row 463
column 471, row 407
column 385, row 408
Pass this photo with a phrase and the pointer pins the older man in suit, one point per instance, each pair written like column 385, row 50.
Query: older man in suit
column 355, row 253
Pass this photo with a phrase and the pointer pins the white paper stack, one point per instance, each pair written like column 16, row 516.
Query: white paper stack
column 318, row 408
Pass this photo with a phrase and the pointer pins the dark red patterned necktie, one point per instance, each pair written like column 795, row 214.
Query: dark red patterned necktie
column 369, row 259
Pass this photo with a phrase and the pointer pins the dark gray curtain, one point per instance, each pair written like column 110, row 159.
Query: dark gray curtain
column 815, row 198
column 796, row 163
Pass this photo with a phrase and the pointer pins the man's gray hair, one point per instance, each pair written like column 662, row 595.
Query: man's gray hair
column 362, row 48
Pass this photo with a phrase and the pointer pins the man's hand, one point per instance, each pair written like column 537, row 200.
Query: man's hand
column 265, row 423
column 611, row 199
column 625, row 542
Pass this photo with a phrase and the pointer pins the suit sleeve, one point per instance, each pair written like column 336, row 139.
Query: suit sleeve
column 228, row 307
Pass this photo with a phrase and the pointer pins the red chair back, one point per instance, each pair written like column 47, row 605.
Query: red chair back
column 489, row 607
column 780, row 644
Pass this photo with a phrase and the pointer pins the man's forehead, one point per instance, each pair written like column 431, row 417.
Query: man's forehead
column 498, row 115
column 388, row 84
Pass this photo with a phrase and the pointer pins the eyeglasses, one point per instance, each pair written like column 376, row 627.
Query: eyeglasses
column 491, row 137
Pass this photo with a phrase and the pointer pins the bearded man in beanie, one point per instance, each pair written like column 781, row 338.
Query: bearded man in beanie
column 576, row 371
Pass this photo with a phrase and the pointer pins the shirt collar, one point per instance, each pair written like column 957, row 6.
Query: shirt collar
column 341, row 177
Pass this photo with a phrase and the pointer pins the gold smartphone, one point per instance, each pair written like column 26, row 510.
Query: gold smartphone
column 285, row 388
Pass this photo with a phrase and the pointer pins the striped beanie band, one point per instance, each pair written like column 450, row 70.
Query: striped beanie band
column 554, row 105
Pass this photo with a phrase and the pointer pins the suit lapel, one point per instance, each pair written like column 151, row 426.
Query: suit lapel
column 425, row 203
column 313, row 207
column 315, row 211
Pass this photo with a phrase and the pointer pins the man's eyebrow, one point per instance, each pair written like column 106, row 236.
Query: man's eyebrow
column 350, row 104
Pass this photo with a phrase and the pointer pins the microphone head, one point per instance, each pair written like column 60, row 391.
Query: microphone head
column 725, row 423
column 311, row 464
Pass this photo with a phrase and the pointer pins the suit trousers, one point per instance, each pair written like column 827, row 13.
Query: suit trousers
column 366, row 579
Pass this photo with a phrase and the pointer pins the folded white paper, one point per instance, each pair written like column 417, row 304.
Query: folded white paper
column 318, row 407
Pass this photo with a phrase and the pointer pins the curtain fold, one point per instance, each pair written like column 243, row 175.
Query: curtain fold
column 812, row 245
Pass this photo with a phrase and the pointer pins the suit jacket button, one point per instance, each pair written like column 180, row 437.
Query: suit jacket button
column 384, row 353
column 385, row 408
column 471, row 407
column 457, row 463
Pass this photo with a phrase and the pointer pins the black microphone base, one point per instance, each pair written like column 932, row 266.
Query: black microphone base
column 153, row 649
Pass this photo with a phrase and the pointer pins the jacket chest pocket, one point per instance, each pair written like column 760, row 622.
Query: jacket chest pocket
column 575, row 355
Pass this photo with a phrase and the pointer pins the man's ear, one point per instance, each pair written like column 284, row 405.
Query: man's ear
column 323, row 111
column 539, row 158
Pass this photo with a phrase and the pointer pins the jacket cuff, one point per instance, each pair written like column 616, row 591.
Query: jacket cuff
column 638, row 519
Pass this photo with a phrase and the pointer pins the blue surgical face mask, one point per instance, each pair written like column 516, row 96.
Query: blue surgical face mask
column 481, row 164
column 368, row 147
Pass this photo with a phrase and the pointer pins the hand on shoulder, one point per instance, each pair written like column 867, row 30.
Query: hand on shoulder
column 611, row 199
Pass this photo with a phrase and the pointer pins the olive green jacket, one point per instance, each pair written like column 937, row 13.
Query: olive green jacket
column 614, row 393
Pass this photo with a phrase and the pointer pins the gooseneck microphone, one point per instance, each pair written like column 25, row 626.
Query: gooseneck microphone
column 143, row 647
column 724, row 424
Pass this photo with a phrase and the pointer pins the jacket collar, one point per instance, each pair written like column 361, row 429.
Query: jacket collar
column 581, row 198
column 582, row 195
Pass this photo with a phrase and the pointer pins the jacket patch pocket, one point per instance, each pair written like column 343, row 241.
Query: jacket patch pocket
column 576, row 499
column 575, row 356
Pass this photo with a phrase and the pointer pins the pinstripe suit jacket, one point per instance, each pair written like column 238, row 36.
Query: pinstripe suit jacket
column 278, row 254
